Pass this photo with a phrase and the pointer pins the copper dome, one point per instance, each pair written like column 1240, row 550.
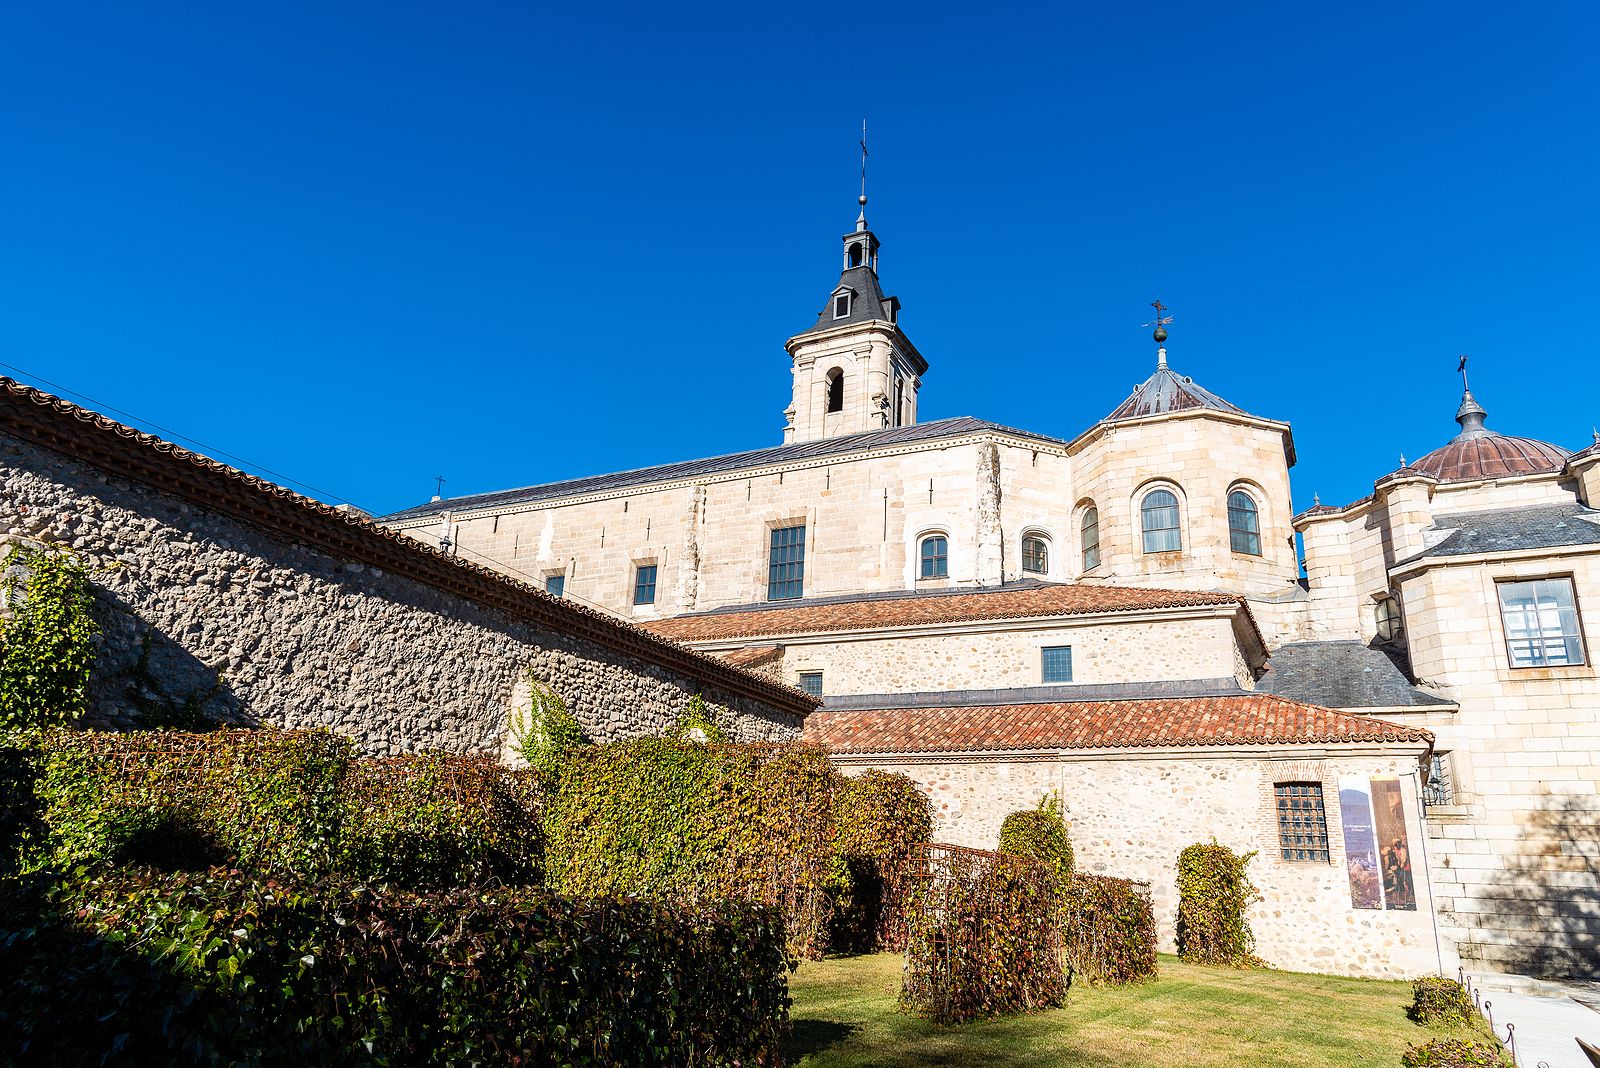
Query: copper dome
column 1479, row 453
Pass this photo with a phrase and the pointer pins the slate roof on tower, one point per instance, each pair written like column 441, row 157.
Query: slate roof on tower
column 867, row 301
column 1167, row 391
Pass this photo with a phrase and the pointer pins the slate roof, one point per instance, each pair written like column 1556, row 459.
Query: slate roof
column 1167, row 391
column 1511, row 529
column 36, row 417
column 1249, row 720
column 1025, row 600
column 867, row 301
column 1344, row 674
column 804, row 450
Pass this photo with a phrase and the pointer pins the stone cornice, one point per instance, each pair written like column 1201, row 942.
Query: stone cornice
column 1085, row 439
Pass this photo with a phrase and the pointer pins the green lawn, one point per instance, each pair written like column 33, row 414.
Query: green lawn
column 845, row 1014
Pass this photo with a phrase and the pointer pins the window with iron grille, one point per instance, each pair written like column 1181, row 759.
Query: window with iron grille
column 1302, row 822
column 1056, row 663
column 1244, row 524
column 555, row 585
column 935, row 557
column 811, row 682
column 1541, row 621
column 786, row 563
column 1035, row 555
column 1440, row 788
column 644, row 584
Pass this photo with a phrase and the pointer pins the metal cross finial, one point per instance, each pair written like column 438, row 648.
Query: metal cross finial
column 438, row 485
column 1160, row 322
column 1461, row 368
column 863, row 161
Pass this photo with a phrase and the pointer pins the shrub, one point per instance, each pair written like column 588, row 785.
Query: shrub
column 879, row 819
column 679, row 819
column 1108, row 930
column 261, row 800
column 1454, row 1053
column 1438, row 1000
column 697, row 724
column 1040, row 833
column 981, row 935
column 48, row 644
column 218, row 967
column 1213, row 894
column 434, row 821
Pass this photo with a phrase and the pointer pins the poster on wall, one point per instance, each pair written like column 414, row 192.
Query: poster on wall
column 1360, row 844
column 1394, row 850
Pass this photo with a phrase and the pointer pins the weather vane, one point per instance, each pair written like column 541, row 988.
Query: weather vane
column 863, row 163
column 1160, row 322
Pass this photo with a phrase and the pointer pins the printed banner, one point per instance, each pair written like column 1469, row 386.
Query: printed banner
column 1360, row 844
column 1394, row 851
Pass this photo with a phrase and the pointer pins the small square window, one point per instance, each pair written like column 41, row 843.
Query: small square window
column 841, row 305
column 1541, row 622
column 1056, row 663
column 1302, row 823
column 811, row 682
column 644, row 584
column 555, row 585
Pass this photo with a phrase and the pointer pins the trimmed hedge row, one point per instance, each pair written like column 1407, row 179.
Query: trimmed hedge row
column 289, row 804
column 1108, row 929
column 218, row 967
column 880, row 818
column 1213, row 894
column 982, row 937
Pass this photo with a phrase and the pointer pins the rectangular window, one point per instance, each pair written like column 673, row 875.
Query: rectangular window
column 644, row 584
column 1440, row 789
column 1541, row 621
column 1056, row 663
column 555, row 585
column 811, row 682
column 1302, row 823
column 786, row 563
column 841, row 305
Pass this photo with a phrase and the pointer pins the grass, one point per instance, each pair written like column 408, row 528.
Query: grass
column 845, row 1013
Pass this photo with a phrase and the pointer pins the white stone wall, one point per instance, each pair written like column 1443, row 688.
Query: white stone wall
column 252, row 628
column 1131, row 815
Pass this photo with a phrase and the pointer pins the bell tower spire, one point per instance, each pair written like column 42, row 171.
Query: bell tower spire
column 854, row 370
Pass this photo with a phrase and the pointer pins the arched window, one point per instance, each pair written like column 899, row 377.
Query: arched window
column 855, row 254
column 1159, row 517
column 935, row 557
column 1091, row 537
column 1035, row 555
column 1244, row 523
column 836, row 390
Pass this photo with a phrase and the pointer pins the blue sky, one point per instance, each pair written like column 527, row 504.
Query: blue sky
column 363, row 245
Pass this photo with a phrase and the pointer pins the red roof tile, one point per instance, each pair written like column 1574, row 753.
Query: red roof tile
column 1251, row 719
column 751, row 655
column 873, row 613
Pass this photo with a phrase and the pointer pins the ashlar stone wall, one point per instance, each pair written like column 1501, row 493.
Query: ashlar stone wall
column 1131, row 815
column 205, row 613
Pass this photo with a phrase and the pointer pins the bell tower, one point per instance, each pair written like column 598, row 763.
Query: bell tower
column 854, row 370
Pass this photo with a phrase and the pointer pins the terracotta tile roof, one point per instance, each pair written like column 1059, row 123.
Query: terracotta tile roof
column 870, row 613
column 751, row 655
column 88, row 437
column 1253, row 719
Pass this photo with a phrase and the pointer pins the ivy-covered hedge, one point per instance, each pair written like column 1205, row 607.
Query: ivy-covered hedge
column 682, row 819
column 1040, row 833
column 982, row 937
column 136, row 966
column 1108, row 930
column 262, row 800
column 879, row 819
column 433, row 822
column 1438, row 1000
column 47, row 646
column 1213, row 895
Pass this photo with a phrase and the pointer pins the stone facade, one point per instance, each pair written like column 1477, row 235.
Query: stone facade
column 1130, row 815
column 203, row 612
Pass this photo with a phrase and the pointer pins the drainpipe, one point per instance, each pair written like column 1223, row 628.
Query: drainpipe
column 1427, row 866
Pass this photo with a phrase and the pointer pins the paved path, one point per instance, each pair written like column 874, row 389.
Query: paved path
column 1548, row 1015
